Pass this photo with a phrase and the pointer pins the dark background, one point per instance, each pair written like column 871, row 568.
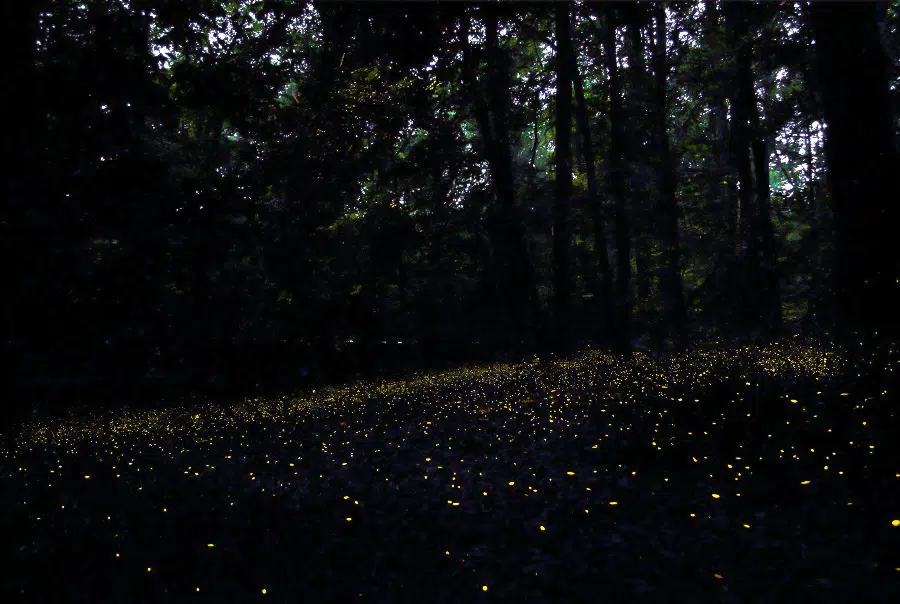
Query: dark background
column 257, row 197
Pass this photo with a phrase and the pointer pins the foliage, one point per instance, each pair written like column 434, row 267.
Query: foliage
column 205, row 184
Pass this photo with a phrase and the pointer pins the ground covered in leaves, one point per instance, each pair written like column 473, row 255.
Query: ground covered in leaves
column 754, row 474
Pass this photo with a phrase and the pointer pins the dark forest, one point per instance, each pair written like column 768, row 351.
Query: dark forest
column 395, row 301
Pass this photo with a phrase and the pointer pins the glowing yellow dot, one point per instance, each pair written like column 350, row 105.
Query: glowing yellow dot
column 484, row 588
column 718, row 576
column 149, row 569
column 87, row 476
column 570, row 473
column 613, row 503
column 542, row 528
column 716, row 495
column 264, row 591
column 895, row 522
column 805, row 482
column 349, row 519
column 511, row 483
column 210, row 545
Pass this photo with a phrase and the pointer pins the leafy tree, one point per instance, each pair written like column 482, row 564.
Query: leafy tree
column 247, row 196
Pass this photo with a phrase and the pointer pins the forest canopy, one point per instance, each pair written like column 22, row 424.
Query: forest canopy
column 230, row 194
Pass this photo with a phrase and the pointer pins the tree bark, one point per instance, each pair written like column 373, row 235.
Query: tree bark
column 862, row 161
column 561, row 244
column 637, row 185
column 515, row 275
column 670, row 283
column 599, row 275
column 723, row 193
column 741, row 98
column 23, row 185
column 744, row 291
column 769, row 300
column 617, row 186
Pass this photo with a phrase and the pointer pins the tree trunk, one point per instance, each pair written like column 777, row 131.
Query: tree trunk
column 498, row 102
column 769, row 302
column 741, row 98
column 637, row 186
column 516, row 278
column 23, row 184
column 759, row 262
column 561, row 284
column 617, row 187
column 862, row 160
column 745, row 272
column 671, row 286
column 599, row 276
column 723, row 193
column 438, row 294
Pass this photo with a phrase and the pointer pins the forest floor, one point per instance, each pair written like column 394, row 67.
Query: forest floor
column 720, row 475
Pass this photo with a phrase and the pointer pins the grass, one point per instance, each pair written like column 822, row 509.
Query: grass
column 722, row 475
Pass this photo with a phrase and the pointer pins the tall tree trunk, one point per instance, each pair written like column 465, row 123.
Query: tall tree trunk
column 723, row 193
column 495, row 275
column 498, row 102
column 770, row 297
column 744, row 278
column 23, row 184
column 741, row 98
column 438, row 294
column 862, row 161
column 561, row 284
column 617, row 186
column 599, row 276
column 759, row 263
column 670, row 283
column 516, row 276
column 637, row 184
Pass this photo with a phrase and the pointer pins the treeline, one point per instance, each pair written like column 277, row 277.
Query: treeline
column 225, row 195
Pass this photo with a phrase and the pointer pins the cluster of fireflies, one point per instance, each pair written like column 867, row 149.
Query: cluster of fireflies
column 597, row 434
